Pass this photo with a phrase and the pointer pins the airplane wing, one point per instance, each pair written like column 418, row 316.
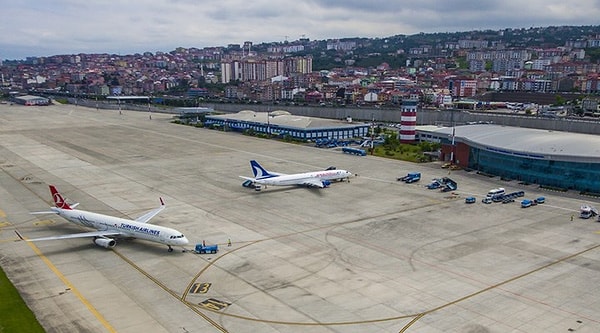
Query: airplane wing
column 79, row 235
column 44, row 212
column 314, row 182
column 149, row 215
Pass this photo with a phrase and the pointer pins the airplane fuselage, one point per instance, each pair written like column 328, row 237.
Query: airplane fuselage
column 125, row 227
column 299, row 178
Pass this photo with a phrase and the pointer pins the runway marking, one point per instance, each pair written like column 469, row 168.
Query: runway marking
column 72, row 288
column 191, row 306
column 415, row 316
column 214, row 304
column 200, row 288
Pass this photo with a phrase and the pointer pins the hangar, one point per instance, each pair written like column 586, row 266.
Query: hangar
column 549, row 158
column 282, row 123
column 31, row 100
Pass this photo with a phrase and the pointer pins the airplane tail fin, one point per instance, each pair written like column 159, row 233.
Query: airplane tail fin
column 258, row 171
column 59, row 201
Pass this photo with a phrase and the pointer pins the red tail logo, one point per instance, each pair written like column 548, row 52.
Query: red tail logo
column 59, row 201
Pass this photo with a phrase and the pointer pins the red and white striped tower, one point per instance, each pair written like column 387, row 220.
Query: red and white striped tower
column 408, row 120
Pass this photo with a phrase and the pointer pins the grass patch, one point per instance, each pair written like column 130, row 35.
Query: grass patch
column 15, row 316
column 404, row 152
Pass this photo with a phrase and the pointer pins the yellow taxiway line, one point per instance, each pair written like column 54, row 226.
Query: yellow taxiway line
column 72, row 288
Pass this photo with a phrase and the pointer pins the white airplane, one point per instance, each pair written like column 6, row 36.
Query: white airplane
column 318, row 179
column 108, row 227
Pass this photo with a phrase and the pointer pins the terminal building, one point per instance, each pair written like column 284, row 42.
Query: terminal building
column 282, row 123
column 555, row 159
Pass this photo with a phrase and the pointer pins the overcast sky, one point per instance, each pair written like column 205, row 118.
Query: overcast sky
column 44, row 28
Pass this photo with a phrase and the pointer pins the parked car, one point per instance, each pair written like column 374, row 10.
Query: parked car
column 433, row 185
column 470, row 200
column 486, row 200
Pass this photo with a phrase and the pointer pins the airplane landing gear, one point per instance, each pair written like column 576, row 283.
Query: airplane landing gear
column 170, row 248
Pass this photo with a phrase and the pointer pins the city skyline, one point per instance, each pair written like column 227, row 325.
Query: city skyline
column 31, row 28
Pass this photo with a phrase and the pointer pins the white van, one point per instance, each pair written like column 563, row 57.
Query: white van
column 495, row 192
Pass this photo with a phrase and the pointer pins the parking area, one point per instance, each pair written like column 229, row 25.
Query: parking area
column 373, row 254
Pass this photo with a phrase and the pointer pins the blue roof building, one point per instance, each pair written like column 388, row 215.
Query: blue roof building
column 282, row 123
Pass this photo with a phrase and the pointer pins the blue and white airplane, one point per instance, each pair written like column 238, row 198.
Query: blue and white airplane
column 108, row 227
column 318, row 179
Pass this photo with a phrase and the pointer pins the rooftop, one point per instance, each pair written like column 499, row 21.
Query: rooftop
column 285, row 119
column 547, row 144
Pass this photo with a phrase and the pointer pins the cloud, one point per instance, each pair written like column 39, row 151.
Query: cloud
column 34, row 28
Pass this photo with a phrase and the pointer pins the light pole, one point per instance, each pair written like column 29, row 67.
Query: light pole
column 149, row 112
column 453, row 134
column 372, row 131
column 268, row 123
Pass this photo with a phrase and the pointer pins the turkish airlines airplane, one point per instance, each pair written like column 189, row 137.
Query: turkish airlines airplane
column 318, row 179
column 110, row 227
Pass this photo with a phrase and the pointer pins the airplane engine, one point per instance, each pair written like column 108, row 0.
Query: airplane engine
column 105, row 242
column 326, row 183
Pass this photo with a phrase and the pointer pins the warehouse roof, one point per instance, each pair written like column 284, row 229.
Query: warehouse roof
column 285, row 119
column 32, row 98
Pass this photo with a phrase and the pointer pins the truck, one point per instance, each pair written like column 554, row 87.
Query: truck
column 587, row 211
column 201, row 248
column 526, row 203
column 436, row 183
column 411, row 177
column 449, row 185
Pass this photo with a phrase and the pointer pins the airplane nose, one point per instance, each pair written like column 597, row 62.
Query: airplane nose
column 184, row 241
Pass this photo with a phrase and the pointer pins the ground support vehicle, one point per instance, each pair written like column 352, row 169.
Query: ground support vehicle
column 411, row 177
column 449, row 185
column 201, row 248
column 526, row 203
column 587, row 211
column 354, row 151
column 436, row 183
